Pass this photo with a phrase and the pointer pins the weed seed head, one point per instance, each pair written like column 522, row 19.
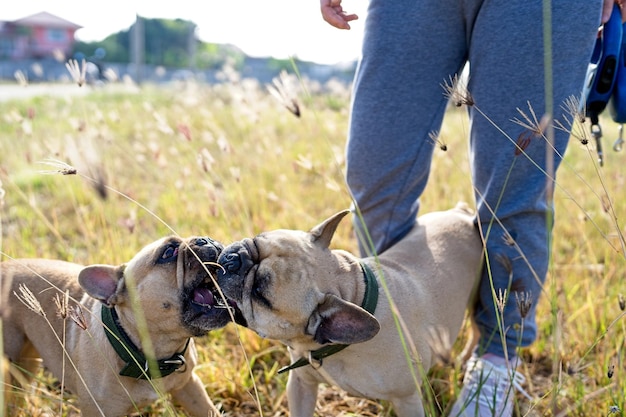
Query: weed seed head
column 205, row 160
column 284, row 90
column 606, row 204
column 77, row 71
column 508, row 239
column 622, row 302
column 76, row 314
column 523, row 141
column 184, row 130
column 27, row 297
column 21, row 77
column 571, row 369
column 62, row 167
column 501, row 299
column 456, row 90
column 505, row 261
column 524, row 302
column 62, row 304
column 434, row 137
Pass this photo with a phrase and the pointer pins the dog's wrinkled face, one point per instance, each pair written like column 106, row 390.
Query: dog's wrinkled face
column 284, row 283
column 265, row 277
column 176, row 276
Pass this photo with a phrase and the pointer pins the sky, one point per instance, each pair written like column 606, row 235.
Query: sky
column 261, row 28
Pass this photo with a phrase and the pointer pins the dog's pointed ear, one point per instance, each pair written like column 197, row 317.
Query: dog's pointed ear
column 323, row 232
column 102, row 282
column 338, row 321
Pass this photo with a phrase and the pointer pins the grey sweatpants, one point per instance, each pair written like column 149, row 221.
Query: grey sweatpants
column 411, row 48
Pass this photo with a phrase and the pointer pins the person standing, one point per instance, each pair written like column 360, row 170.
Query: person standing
column 520, row 53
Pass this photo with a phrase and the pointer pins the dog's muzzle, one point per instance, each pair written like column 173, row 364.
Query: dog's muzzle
column 211, row 248
column 231, row 261
column 203, row 308
column 236, row 260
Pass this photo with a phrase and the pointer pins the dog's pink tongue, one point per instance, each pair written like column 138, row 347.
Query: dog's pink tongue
column 203, row 296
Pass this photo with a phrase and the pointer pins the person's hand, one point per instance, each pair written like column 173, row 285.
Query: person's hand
column 333, row 13
column 607, row 8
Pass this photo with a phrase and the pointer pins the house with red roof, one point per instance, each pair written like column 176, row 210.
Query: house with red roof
column 42, row 35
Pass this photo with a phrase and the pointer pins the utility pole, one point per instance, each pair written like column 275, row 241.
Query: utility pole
column 137, row 48
column 192, row 47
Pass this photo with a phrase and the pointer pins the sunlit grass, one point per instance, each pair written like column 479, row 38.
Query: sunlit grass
column 230, row 161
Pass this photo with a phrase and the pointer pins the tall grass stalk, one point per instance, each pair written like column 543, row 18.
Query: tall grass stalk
column 62, row 310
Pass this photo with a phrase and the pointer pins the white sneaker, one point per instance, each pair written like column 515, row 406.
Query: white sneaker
column 488, row 390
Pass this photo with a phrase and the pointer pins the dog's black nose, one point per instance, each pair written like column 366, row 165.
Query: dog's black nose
column 204, row 241
column 231, row 262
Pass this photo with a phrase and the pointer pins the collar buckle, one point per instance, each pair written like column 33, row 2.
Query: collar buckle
column 177, row 362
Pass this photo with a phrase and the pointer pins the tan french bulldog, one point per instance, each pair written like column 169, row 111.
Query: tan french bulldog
column 105, row 363
column 329, row 306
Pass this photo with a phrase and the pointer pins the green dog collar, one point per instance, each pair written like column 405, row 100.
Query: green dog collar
column 370, row 300
column 137, row 365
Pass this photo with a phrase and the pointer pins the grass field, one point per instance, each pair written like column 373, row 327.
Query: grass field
column 230, row 161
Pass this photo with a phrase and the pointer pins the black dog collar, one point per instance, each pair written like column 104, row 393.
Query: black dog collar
column 370, row 300
column 137, row 365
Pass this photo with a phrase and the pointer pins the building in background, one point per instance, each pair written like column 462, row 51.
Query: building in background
column 42, row 35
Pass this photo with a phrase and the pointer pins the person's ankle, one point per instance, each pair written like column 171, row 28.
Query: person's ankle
column 498, row 360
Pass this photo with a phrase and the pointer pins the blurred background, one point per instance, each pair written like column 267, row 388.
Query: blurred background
column 151, row 41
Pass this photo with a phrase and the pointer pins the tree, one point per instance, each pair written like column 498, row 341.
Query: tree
column 167, row 42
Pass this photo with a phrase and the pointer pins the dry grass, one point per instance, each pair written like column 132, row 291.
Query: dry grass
column 230, row 161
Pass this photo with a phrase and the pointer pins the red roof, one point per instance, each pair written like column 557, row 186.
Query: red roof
column 46, row 19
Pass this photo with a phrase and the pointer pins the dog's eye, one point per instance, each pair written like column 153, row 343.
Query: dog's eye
column 170, row 253
column 257, row 292
column 258, row 295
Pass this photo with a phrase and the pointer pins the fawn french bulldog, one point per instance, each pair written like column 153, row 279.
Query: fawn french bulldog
column 329, row 307
column 106, row 364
